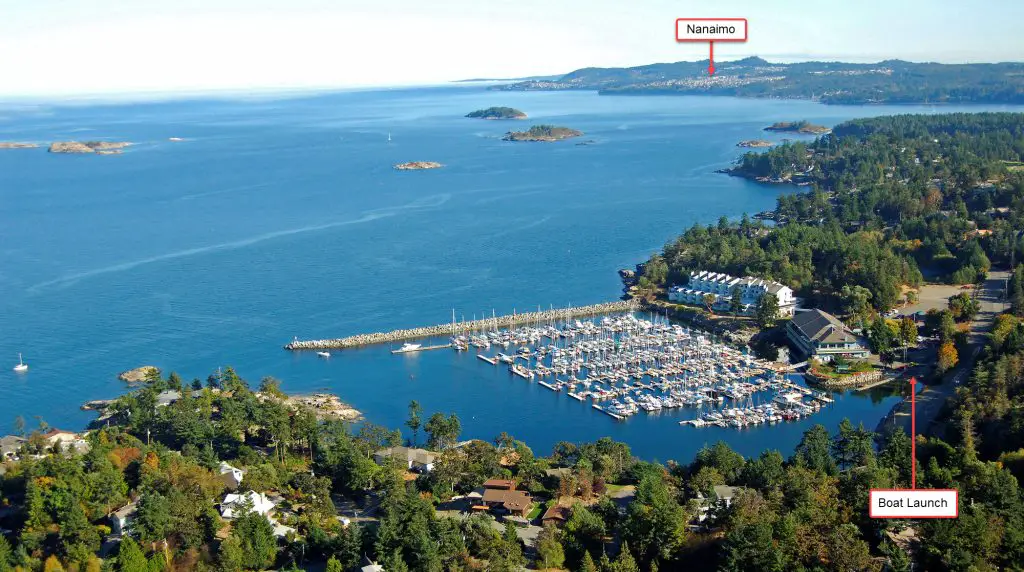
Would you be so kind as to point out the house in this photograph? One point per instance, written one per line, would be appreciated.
(500, 496)
(721, 287)
(368, 565)
(231, 476)
(121, 519)
(10, 445)
(54, 436)
(725, 493)
(722, 499)
(233, 503)
(419, 460)
(822, 336)
(556, 516)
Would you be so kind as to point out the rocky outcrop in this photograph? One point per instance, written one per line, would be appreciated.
(326, 406)
(542, 133)
(755, 143)
(138, 374)
(98, 147)
(15, 145)
(447, 329)
(417, 166)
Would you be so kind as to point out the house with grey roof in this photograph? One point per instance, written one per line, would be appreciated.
(821, 335)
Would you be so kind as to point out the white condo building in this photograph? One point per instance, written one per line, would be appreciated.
(722, 285)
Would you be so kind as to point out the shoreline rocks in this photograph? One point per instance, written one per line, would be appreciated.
(447, 329)
(17, 145)
(326, 406)
(138, 374)
(417, 166)
(755, 143)
(84, 147)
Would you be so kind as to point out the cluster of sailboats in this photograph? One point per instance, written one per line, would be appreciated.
(627, 364)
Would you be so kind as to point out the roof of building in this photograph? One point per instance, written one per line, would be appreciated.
(512, 500)
(557, 512)
(127, 510)
(421, 456)
(504, 484)
(558, 472)
(725, 492)
(822, 327)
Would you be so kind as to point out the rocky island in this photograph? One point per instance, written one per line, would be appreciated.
(417, 166)
(10, 145)
(497, 113)
(802, 127)
(542, 133)
(139, 374)
(97, 147)
(755, 143)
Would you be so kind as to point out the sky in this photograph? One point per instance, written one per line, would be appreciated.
(78, 47)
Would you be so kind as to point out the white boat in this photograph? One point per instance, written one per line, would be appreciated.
(324, 354)
(407, 347)
(22, 366)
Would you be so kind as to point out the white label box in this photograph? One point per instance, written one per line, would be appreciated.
(711, 29)
(914, 503)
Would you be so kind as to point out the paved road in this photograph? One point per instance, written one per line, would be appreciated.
(931, 400)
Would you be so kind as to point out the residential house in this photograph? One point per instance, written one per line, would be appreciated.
(556, 516)
(368, 565)
(721, 287)
(68, 440)
(419, 460)
(724, 495)
(500, 496)
(121, 519)
(233, 503)
(231, 476)
(822, 336)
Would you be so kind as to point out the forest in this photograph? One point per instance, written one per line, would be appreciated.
(804, 512)
(889, 202)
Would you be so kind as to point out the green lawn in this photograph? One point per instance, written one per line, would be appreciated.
(537, 510)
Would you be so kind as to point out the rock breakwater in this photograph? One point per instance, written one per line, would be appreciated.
(448, 329)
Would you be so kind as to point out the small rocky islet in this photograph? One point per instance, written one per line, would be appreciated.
(802, 127)
(85, 147)
(755, 143)
(417, 166)
(497, 113)
(546, 133)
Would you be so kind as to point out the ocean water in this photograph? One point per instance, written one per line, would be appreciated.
(281, 217)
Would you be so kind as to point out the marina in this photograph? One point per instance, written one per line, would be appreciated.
(626, 364)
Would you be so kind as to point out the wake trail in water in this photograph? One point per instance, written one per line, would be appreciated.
(432, 201)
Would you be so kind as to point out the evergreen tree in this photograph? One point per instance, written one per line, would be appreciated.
(52, 564)
(130, 557)
(587, 564)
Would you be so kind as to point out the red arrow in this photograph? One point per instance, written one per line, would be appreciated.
(711, 62)
(913, 436)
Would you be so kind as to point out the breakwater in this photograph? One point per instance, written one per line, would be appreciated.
(455, 328)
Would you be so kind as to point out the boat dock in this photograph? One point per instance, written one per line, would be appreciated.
(455, 328)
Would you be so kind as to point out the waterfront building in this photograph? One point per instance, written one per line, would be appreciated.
(721, 286)
(419, 460)
(822, 336)
(231, 476)
(257, 503)
(500, 495)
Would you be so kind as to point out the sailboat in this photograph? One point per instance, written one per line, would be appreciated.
(389, 137)
(22, 366)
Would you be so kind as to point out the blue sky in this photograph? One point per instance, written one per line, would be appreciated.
(70, 47)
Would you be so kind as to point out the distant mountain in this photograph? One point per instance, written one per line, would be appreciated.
(889, 81)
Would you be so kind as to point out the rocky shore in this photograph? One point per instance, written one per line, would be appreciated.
(326, 406)
(417, 166)
(545, 133)
(16, 145)
(82, 147)
(138, 374)
(755, 143)
(447, 329)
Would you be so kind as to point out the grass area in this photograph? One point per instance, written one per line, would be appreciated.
(612, 489)
(536, 512)
(1014, 166)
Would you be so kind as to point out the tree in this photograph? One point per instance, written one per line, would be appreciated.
(813, 451)
(256, 538)
(5, 555)
(587, 565)
(231, 555)
(767, 313)
(130, 557)
(333, 565)
(443, 431)
(549, 548)
(624, 562)
(947, 357)
(709, 302)
(908, 334)
(414, 423)
(19, 425)
(583, 534)
(153, 517)
(881, 336)
(735, 300)
(655, 523)
(52, 565)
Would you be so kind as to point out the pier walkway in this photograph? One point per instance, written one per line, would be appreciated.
(456, 328)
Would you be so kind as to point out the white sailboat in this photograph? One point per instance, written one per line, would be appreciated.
(389, 137)
(22, 366)
(324, 354)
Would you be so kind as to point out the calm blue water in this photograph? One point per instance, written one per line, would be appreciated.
(283, 217)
